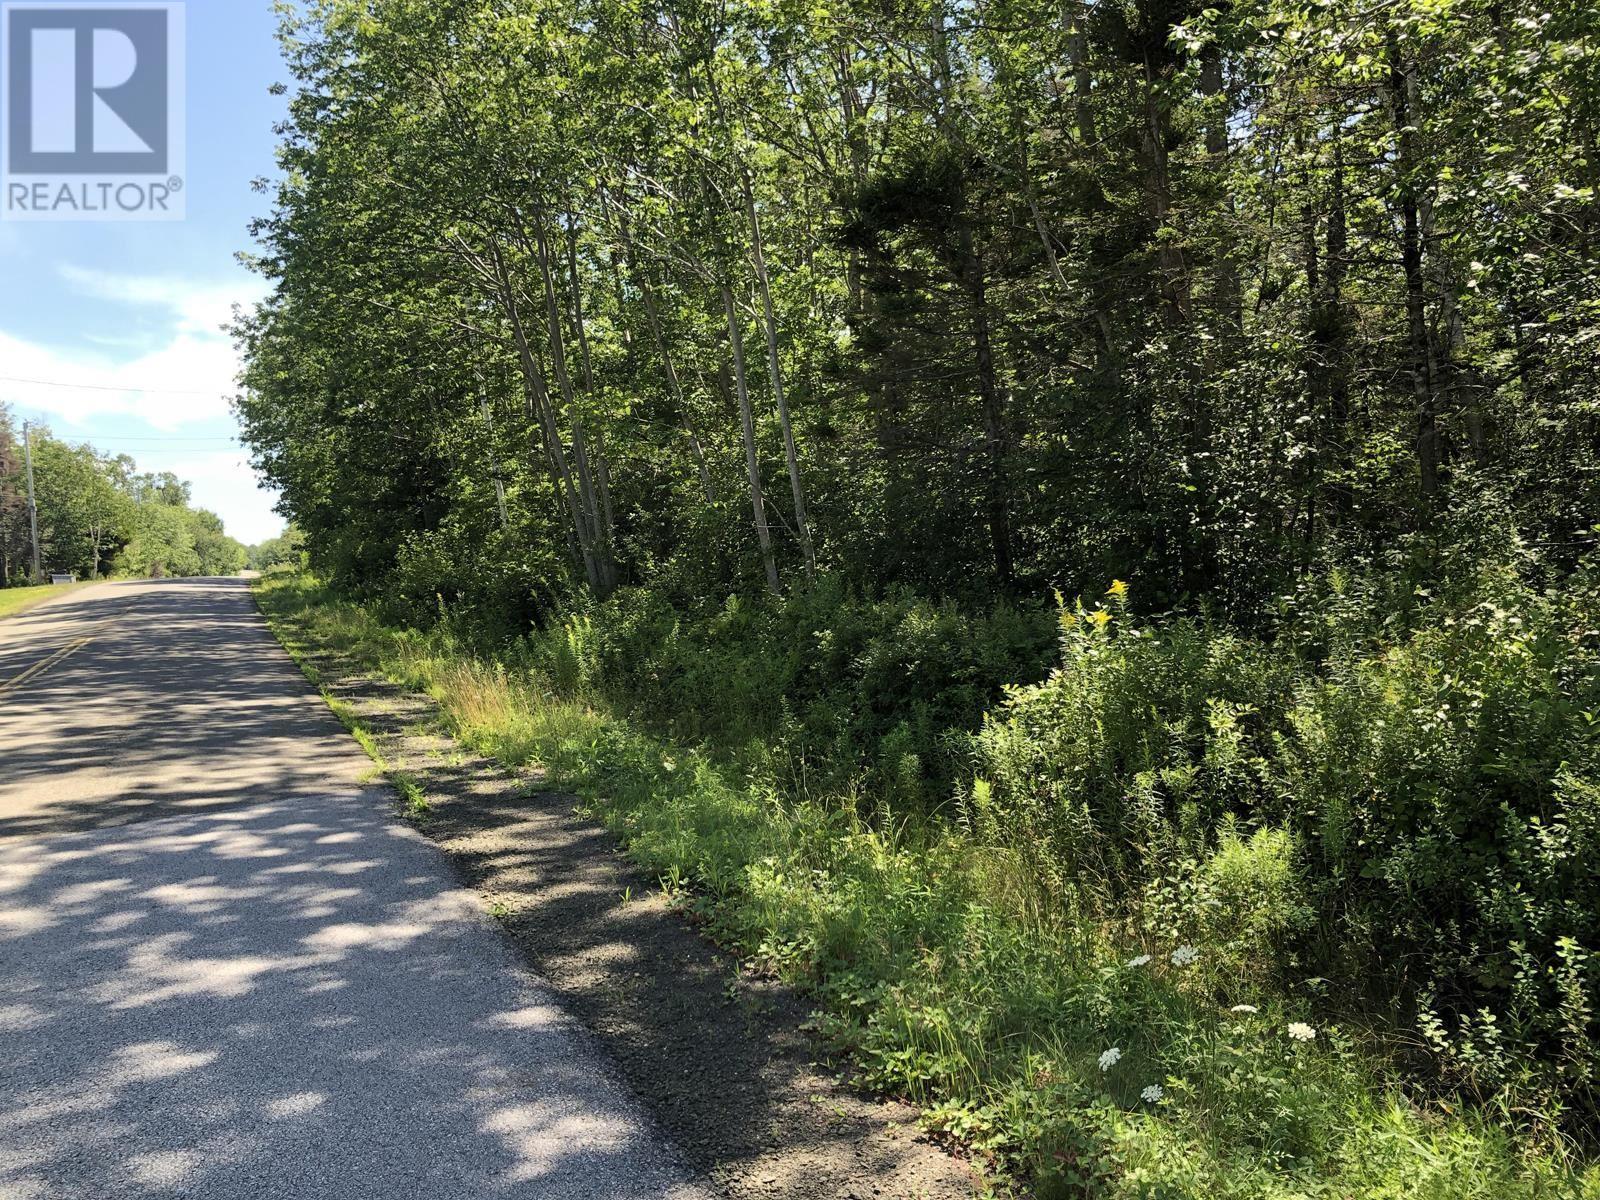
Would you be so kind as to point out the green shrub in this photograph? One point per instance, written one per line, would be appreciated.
(851, 692)
(1133, 751)
(1414, 817)
(1447, 782)
(953, 973)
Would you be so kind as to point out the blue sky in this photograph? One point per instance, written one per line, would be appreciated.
(128, 314)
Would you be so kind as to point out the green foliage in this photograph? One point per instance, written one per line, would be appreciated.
(172, 540)
(941, 974)
(845, 690)
(749, 373)
(163, 544)
(1186, 293)
(285, 550)
(1420, 815)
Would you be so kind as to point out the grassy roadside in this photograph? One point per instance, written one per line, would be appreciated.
(1029, 1037)
(19, 600)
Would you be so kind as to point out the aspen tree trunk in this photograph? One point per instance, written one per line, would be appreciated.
(1333, 296)
(1402, 99)
(652, 314)
(1082, 80)
(1225, 285)
(599, 537)
(996, 439)
(851, 117)
(775, 370)
(1452, 372)
(1329, 326)
(1193, 536)
(533, 381)
(575, 307)
(602, 463)
(675, 384)
(494, 459)
(1089, 137)
(1173, 283)
(803, 528)
(1316, 365)
(1039, 225)
(973, 279)
(752, 460)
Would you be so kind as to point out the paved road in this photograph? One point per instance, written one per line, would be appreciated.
(226, 971)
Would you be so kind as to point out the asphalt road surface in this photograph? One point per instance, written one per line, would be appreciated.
(227, 971)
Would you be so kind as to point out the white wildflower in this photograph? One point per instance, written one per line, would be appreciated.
(1301, 1032)
(1184, 955)
(1140, 961)
(1247, 1009)
(1152, 1094)
(1110, 1058)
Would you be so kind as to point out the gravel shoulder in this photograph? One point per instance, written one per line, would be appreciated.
(724, 1061)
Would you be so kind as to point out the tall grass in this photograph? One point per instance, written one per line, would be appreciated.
(957, 975)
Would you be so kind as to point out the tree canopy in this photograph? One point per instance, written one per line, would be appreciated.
(759, 361)
(978, 298)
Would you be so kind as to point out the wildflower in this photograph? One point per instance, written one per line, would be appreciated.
(1110, 1058)
(1152, 1094)
(1118, 588)
(1141, 961)
(1301, 1032)
(1100, 617)
(1247, 1009)
(1184, 955)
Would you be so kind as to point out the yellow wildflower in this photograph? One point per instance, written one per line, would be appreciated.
(1118, 588)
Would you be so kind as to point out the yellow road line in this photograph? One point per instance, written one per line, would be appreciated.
(39, 668)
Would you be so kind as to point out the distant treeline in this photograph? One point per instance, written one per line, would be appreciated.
(99, 515)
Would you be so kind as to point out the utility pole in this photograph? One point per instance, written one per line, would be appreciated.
(33, 509)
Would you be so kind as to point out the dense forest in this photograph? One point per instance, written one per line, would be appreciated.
(100, 514)
(1150, 450)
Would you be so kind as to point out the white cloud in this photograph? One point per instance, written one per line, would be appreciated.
(179, 377)
(185, 381)
(184, 375)
(201, 310)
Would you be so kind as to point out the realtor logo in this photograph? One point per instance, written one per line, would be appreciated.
(92, 122)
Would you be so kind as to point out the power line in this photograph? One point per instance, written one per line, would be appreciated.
(94, 437)
(99, 387)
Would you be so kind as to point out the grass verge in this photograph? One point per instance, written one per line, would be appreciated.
(1027, 1034)
(20, 599)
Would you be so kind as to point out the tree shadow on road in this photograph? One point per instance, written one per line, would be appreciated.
(226, 970)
